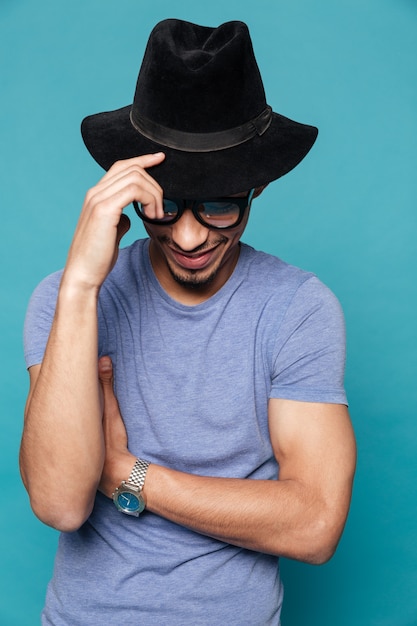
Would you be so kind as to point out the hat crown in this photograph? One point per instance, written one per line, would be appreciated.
(200, 99)
(198, 79)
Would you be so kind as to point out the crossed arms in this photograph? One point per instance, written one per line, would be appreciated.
(74, 441)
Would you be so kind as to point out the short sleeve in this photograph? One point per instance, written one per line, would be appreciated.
(310, 353)
(39, 316)
(38, 320)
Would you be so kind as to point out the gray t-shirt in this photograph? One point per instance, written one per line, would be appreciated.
(193, 384)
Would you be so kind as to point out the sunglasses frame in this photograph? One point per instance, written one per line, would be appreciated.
(188, 203)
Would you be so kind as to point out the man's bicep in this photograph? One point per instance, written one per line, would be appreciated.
(315, 445)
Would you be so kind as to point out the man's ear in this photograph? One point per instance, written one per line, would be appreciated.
(259, 190)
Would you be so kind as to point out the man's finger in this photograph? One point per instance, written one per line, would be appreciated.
(105, 370)
(144, 161)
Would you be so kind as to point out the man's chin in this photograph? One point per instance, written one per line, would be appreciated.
(192, 279)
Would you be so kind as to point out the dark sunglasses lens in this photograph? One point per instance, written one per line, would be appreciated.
(219, 214)
(170, 212)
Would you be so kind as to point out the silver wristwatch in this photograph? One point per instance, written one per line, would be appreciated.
(128, 497)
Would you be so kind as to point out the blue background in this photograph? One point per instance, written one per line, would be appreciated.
(347, 213)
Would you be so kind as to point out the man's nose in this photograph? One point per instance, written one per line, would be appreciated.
(188, 233)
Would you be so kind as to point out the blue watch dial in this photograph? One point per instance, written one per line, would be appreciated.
(128, 501)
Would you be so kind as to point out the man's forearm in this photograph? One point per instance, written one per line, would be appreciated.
(285, 518)
(62, 448)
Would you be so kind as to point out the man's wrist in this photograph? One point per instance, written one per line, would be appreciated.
(71, 287)
(116, 469)
(138, 474)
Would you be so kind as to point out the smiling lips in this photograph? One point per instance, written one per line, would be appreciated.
(193, 261)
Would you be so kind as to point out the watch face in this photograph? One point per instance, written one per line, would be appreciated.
(128, 501)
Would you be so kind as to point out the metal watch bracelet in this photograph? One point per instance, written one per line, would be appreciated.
(138, 473)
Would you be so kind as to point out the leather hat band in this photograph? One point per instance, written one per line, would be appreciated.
(202, 142)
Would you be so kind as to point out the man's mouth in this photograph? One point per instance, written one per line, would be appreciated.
(193, 261)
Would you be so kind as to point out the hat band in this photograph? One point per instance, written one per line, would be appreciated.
(202, 142)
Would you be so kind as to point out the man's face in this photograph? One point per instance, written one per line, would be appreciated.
(192, 261)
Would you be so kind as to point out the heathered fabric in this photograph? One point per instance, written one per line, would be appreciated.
(193, 384)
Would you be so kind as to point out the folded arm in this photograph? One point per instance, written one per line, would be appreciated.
(62, 450)
(299, 516)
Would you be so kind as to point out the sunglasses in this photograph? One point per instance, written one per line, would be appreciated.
(212, 212)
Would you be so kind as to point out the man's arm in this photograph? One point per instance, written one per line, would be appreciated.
(62, 451)
(300, 516)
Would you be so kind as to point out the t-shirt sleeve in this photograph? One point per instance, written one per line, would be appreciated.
(310, 353)
(38, 320)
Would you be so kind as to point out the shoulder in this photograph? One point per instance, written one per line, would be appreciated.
(272, 275)
(292, 296)
(268, 267)
(38, 319)
(46, 291)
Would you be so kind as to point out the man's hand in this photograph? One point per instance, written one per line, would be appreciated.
(101, 225)
(118, 460)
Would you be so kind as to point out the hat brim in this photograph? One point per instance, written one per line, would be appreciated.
(110, 137)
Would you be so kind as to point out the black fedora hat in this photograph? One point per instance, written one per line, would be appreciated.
(200, 99)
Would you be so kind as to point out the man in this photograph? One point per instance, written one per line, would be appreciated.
(228, 363)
